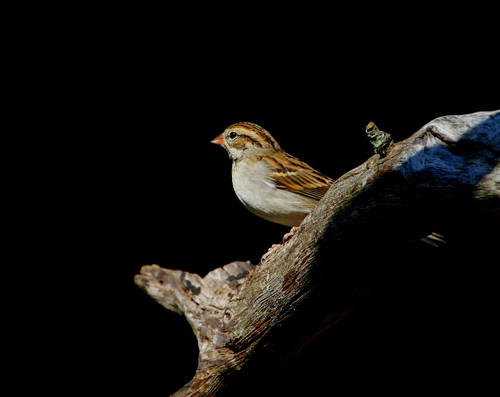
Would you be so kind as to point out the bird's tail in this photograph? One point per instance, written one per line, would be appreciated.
(434, 239)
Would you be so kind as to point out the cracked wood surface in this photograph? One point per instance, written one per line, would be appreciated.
(444, 174)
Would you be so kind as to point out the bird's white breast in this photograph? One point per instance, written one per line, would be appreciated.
(258, 192)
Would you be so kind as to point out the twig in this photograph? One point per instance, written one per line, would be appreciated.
(381, 141)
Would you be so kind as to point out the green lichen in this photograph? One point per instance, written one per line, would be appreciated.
(380, 140)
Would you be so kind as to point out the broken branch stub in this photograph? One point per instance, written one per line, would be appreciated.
(380, 140)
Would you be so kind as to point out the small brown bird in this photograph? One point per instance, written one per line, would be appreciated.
(272, 183)
(268, 181)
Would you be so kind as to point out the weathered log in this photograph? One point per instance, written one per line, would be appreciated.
(446, 173)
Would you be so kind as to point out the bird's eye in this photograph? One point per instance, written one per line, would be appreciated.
(233, 134)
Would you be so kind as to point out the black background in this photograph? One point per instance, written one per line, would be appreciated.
(140, 183)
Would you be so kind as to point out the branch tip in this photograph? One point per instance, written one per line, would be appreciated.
(381, 141)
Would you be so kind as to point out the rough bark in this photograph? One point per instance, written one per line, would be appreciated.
(446, 173)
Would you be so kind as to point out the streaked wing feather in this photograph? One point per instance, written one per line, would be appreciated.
(295, 176)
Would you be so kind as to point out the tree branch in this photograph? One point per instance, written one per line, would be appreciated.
(447, 173)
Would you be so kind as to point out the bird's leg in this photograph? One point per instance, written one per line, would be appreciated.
(290, 234)
(286, 238)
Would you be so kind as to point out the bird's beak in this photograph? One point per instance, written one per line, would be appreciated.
(219, 140)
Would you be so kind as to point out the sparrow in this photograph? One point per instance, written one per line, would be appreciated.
(268, 181)
(274, 184)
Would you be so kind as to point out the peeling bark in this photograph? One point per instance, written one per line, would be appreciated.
(446, 173)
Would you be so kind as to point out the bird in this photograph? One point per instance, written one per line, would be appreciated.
(268, 181)
(272, 183)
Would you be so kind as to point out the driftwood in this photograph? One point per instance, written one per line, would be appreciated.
(447, 173)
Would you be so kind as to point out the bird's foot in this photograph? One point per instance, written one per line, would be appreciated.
(286, 238)
(290, 234)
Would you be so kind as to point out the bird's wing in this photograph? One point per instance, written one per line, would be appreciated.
(291, 174)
